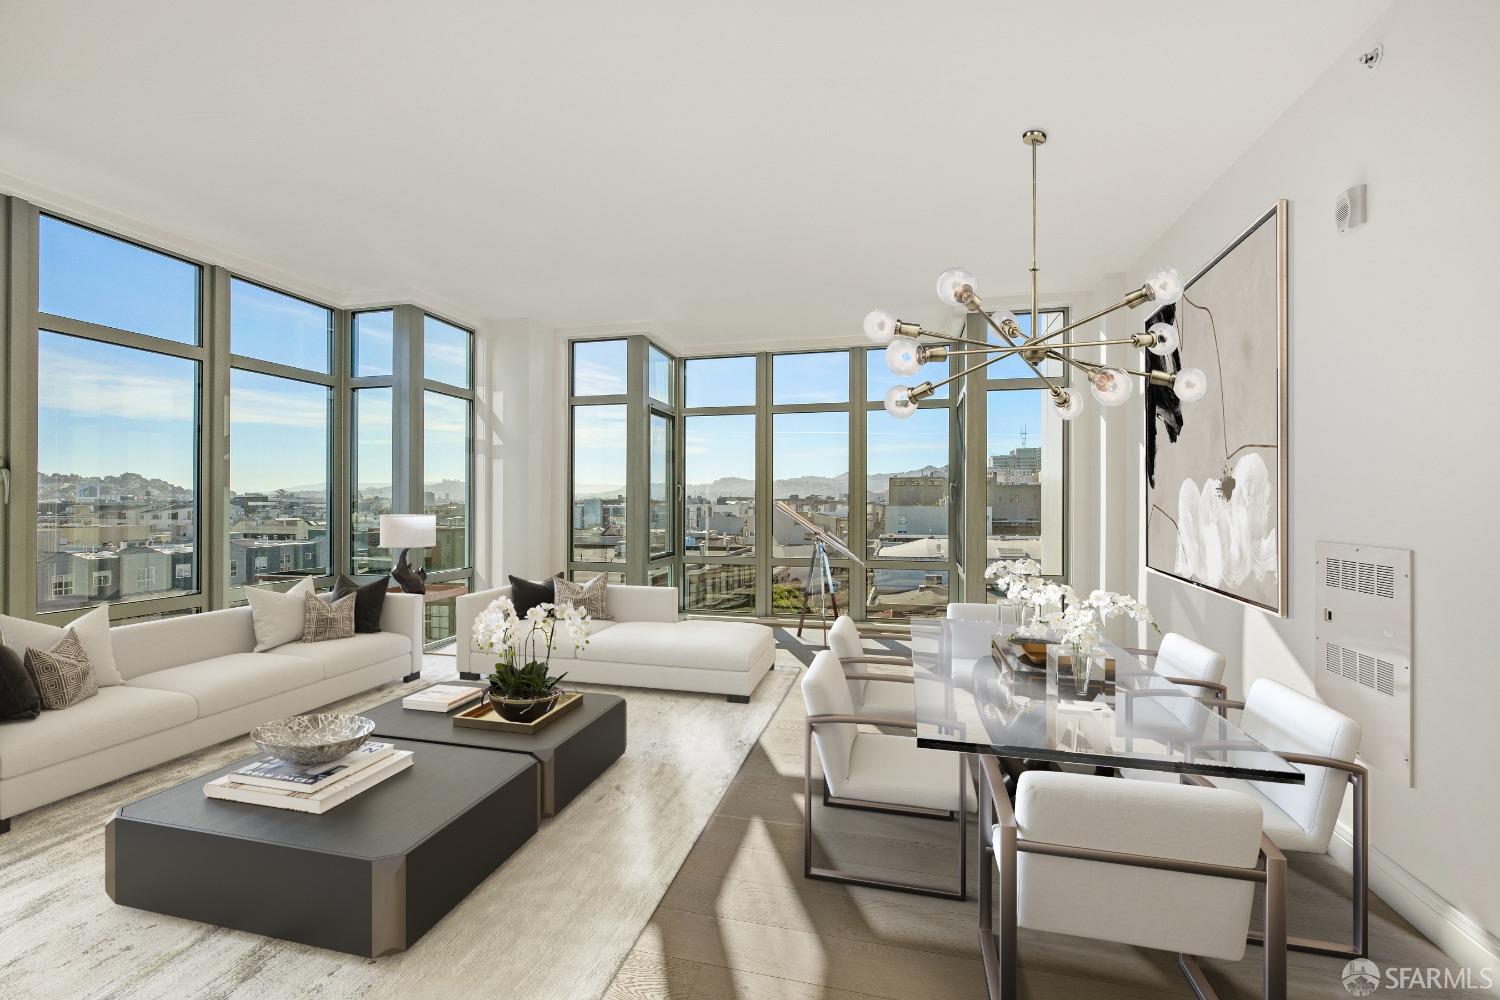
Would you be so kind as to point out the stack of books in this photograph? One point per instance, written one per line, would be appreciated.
(442, 697)
(268, 781)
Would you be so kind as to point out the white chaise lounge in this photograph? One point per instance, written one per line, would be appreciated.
(191, 682)
(646, 644)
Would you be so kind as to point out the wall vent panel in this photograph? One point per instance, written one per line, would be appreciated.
(1364, 645)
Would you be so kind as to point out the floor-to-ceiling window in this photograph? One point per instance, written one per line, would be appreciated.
(719, 511)
(191, 431)
(280, 436)
(776, 449)
(118, 362)
(1024, 453)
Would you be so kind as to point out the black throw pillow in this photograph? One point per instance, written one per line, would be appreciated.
(19, 698)
(369, 601)
(527, 594)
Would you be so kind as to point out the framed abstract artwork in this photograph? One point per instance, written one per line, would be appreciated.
(1216, 470)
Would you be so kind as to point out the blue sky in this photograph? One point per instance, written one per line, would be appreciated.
(105, 409)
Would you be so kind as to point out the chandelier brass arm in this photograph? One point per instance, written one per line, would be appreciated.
(1111, 385)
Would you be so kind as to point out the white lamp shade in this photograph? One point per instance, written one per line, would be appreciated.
(408, 531)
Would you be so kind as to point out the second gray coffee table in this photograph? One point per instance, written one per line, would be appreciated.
(572, 751)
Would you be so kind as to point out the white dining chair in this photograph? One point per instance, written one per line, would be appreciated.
(875, 693)
(1188, 663)
(1322, 743)
(959, 611)
(1172, 867)
(876, 771)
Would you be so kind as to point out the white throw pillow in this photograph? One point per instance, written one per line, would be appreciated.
(278, 617)
(92, 630)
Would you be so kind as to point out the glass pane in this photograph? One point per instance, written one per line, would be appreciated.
(719, 588)
(720, 469)
(439, 619)
(445, 352)
(658, 376)
(878, 377)
(598, 484)
(99, 279)
(585, 575)
(1013, 487)
(660, 509)
(786, 591)
(275, 327)
(117, 461)
(374, 340)
(906, 593)
(659, 575)
(810, 378)
(1014, 367)
(372, 477)
(278, 478)
(810, 469)
(599, 368)
(445, 480)
(720, 381)
(908, 485)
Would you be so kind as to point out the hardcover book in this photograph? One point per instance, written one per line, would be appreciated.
(276, 773)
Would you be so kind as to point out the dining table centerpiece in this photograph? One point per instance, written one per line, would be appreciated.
(1077, 628)
(522, 687)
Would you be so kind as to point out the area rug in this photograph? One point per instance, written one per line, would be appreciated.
(553, 923)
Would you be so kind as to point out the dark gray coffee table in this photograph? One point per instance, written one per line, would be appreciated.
(368, 877)
(572, 751)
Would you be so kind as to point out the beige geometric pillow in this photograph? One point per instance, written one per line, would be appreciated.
(322, 622)
(591, 597)
(64, 676)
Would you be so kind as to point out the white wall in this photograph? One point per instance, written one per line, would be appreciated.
(1392, 422)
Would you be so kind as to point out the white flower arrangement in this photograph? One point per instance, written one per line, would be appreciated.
(1012, 579)
(500, 630)
(1081, 623)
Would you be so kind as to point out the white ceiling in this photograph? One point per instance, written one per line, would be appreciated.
(762, 172)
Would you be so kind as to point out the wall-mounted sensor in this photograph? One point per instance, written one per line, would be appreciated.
(1349, 209)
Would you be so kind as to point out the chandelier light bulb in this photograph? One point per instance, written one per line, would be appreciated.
(954, 287)
(898, 402)
(1191, 385)
(903, 356)
(1071, 405)
(1166, 338)
(880, 327)
(1165, 285)
(1110, 386)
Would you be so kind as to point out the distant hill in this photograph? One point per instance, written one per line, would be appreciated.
(127, 483)
(805, 486)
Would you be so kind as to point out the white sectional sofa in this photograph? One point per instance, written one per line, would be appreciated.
(646, 644)
(191, 682)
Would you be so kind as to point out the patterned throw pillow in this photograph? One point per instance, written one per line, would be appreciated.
(592, 597)
(64, 676)
(322, 622)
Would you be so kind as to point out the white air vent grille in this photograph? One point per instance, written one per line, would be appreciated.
(1364, 645)
(1362, 668)
(1359, 577)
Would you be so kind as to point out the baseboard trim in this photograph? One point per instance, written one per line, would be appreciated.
(1459, 935)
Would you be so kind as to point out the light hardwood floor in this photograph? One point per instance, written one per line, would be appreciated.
(741, 923)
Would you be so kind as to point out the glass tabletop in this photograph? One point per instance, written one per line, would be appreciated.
(976, 692)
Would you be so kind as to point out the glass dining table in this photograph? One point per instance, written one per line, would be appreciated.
(979, 693)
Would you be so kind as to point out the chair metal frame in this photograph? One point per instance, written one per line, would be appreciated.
(998, 938)
(1359, 775)
(809, 870)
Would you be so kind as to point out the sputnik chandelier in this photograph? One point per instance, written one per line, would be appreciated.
(905, 353)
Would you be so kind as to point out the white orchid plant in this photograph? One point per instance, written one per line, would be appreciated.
(1013, 579)
(1079, 624)
(500, 630)
(1020, 581)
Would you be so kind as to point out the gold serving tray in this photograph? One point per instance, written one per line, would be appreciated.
(483, 716)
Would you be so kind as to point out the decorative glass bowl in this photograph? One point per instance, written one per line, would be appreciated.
(313, 739)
